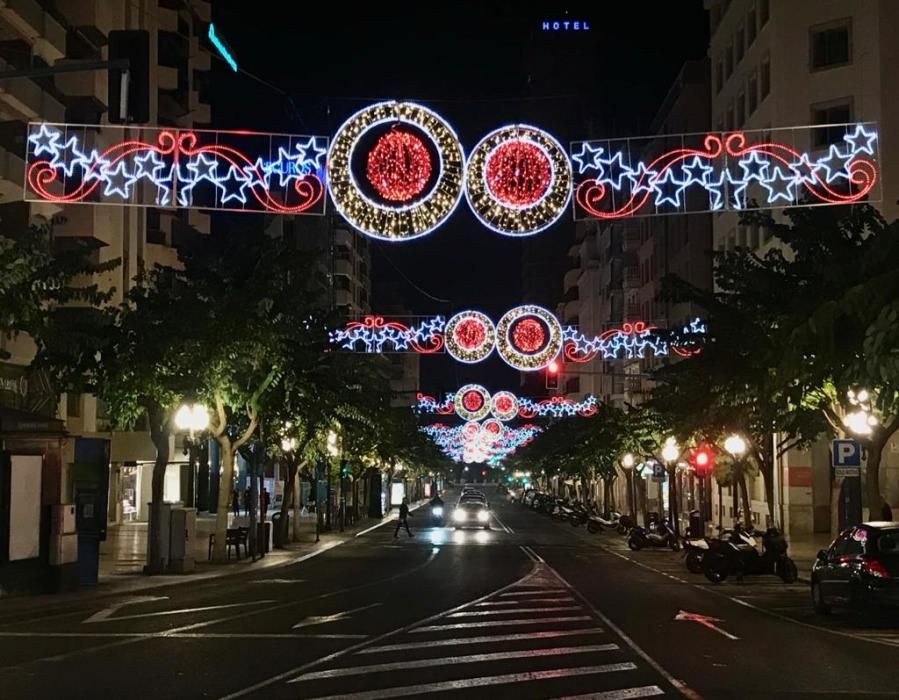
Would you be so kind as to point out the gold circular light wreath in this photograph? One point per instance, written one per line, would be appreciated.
(387, 221)
(504, 415)
(469, 355)
(511, 220)
(521, 360)
(463, 412)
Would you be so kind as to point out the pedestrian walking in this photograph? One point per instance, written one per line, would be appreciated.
(403, 520)
(235, 502)
(247, 500)
(266, 499)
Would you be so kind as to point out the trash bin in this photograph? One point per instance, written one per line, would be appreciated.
(263, 537)
(276, 529)
(696, 527)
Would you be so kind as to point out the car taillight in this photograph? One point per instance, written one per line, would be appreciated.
(875, 568)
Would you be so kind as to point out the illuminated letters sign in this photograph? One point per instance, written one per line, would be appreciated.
(577, 25)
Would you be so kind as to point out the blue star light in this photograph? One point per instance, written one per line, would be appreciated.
(615, 166)
(642, 173)
(663, 184)
(236, 192)
(588, 159)
(118, 181)
(855, 140)
(697, 171)
(152, 173)
(45, 140)
(317, 153)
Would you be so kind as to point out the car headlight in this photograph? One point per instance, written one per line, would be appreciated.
(437, 511)
(458, 515)
(483, 516)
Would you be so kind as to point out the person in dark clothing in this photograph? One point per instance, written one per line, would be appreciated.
(266, 499)
(403, 520)
(436, 501)
(246, 501)
(235, 503)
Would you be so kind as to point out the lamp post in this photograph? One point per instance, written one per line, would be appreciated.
(191, 419)
(670, 453)
(333, 448)
(735, 446)
(627, 464)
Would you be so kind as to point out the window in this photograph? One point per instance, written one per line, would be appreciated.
(719, 75)
(750, 26)
(766, 77)
(741, 108)
(830, 46)
(764, 12)
(740, 41)
(835, 115)
(753, 90)
(730, 118)
(728, 61)
(73, 405)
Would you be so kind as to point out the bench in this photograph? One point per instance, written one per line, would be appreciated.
(234, 537)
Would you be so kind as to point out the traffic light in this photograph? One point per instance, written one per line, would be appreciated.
(134, 45)
(344, 469)
(701, 459)
(552, 375)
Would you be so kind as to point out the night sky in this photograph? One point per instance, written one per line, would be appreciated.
(481, 65)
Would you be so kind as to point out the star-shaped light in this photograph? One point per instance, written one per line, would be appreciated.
(155, 163)
(235, 191)
(804, 170)
(68, 157)
(289, 167)
(641, 178)
(780, 186)
(118, 181)
(754, 167)
(93, 166)
(834, 163)
(697, 171)
(661, 185)
(615, 166)
(317, 153)
(588, 159)
(45, 140)
(861, 141)
(203, 168)
(258, 174)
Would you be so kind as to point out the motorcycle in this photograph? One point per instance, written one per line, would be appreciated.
(736, 554)
(622, 524)
(580, 514)
(694, 553)
(661, 536)
(437, 517)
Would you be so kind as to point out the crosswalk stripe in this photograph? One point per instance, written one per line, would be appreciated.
(534, 591)
(453, 660)
(503, 623)
(645, 691)
(515, 611)
(488, 639)
(527, 601)
(464, 683)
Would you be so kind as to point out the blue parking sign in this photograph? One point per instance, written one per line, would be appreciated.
(846, 457)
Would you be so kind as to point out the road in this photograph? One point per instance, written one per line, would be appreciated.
(529, 609)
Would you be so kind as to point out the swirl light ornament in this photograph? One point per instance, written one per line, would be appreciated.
(403, 210)
(519, 180)
(470, 336)
(528, 337)
(472, 402)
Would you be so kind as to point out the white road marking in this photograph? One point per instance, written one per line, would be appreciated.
(527, 601)
(104, 615)
(452, 660)
(261, 635)
(503, 623)
(279, 580)
(336, 617)
(115, 607)
(502, 524)
(535, 591)
(515, 611)
(645, 691)
(705, 621)
(464, 683)
(488, 639)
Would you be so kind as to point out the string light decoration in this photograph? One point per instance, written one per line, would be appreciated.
(489, 442)
(375, 334)
(470, 336)
(222, 170)
(399, 166)
(472, 402)
(528, 337)
(428, 404)
(504, 405)
(634, 340)
(734, 174)
(405, 214)
(518, 180)
(557, 407)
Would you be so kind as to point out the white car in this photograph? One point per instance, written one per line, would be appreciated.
(471, 513)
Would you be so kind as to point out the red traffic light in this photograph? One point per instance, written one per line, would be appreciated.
(702, 458)
(553, 367)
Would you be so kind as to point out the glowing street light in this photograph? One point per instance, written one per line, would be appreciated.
(192, 418)
(332, 444)
(671, 451)
(627, 461)
(860, 421)
(288, 444)
(735, 445)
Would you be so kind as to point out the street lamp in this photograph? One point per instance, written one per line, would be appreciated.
(627, 463)
(735, 445)
(192, 419)
(860, 421)
(670, 453)
(288, 444)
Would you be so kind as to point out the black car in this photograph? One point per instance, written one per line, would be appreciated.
(861, 568)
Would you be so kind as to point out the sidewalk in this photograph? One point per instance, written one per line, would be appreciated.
(804, 549)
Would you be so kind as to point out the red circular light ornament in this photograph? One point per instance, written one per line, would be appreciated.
(470, 336)
(504, 405)
(470, 333)
(472, 401)
(518, 173)
(399, 166)
(528, 335)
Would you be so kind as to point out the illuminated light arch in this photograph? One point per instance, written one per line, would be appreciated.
(519, 180)
(470, 336)
(401, 220)
(531, 350)
(472, 402)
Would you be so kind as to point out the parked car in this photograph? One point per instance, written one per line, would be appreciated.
(860, 569)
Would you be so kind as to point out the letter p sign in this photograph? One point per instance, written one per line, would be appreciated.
(847, 453)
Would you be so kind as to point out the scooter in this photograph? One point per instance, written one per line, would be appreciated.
(580, 515)
(437, 517)
(662, 536)
(622, 524)
(694, 553)
(736, 554)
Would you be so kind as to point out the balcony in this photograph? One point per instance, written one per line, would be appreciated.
(168, 19)
(28, 100)
(157, 254)
(27, 18)
(632, 277)
(344, 297)
(94, 19)
(344, 267)
(344, 237)
(631, 240)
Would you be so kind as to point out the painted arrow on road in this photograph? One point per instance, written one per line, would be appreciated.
(323, 619)
(705, 621)
(105, 615)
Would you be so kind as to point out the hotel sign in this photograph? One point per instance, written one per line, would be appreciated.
(567, 25)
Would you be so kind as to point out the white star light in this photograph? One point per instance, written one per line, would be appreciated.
(45, 139)
(661, 196)
(615, 166)
(237, 192)
(317, 152)
(641, 178)
(697, 171)
(287, 166)
(780, 186)
(854, 140)
(111, 176)
(68, 164)
(754, 167)
(588, 159)
(834, 163)
(203, 169)
(152, 173)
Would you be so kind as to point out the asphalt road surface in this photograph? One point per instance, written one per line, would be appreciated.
(530, 608)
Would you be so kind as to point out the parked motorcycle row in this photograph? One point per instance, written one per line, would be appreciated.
(736, 552)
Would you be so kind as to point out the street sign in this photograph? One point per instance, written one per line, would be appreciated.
(658, 472)
(846, 458)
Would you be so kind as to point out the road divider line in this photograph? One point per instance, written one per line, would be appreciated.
(502, 524)
(452, 660)
(487, 639)
(503, 623)
(468, 683)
